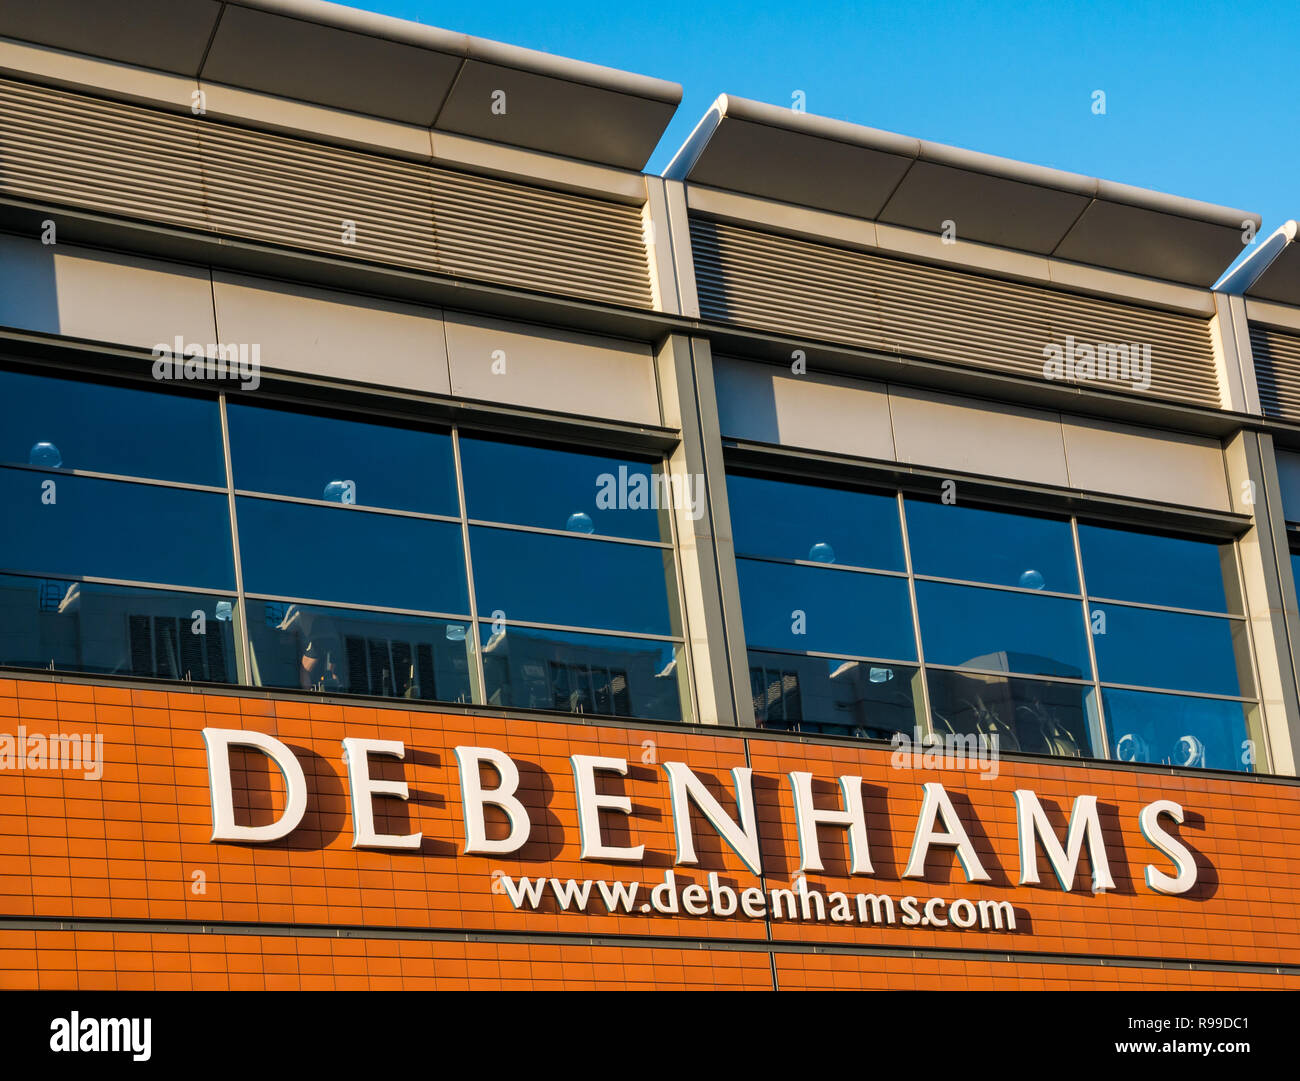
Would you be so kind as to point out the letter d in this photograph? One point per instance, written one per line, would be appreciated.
(224, 827)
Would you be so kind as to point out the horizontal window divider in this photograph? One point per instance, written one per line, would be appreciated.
(667, 545)
(1167, 608)
(998, 588)
(1245, 699)
(132, 583)
(244, 493)
(343, 605)
(488, 621)
(815, 565)
(91, 474)
(1077, 681)
(832, 656)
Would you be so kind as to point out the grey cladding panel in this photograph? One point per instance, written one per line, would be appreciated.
(1277, 370)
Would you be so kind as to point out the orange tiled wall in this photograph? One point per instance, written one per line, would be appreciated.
(132, 846)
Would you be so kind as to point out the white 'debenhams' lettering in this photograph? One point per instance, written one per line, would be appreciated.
(938, 824)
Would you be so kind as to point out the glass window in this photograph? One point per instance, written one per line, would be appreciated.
(355, 652)
(809, 522)
(351, 556)
(977, 545)
(577, 582)
(1123, 565)
(86, 527)
(528, 668)
(1029, 715)
(1150, 648)
(285, 452)
(103, 428)
(116, 630)
(574, 491)
(1177, 731)
(974, 627)
(867, 699)
(808, 609)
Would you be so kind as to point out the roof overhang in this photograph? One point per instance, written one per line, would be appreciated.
(343, 58)
(1272, 271)
(792, 157)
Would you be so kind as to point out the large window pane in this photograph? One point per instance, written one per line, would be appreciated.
(80, 526)
(102, 428)
(977, 545)
(338, 649)
(527, 668)
(1029, 715)
(351, 556)
(808, 609)
(1150, 648)
(286, 452)
(870, 700)
(1124, 565)
(1177, 731)
(540, 578)
(1006, 632)
(575, 491)
(810, 522)
(116, 630)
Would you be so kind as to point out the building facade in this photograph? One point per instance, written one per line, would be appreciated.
(438, 553)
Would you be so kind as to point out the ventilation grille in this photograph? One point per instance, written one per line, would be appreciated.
(799, 287)
(75, 150)
(1277, 371)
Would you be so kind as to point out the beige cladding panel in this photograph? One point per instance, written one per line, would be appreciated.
(1166, 467)
(769, 404)
(333, 335)
(969, 436)
(540, 368)
(102, 296)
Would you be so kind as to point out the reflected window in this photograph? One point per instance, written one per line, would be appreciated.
(103, 428)
(972, 627)
(86, 527)
(577, 492)
(298, 551)
(286, 452)
(817, 524)
(68, 626)
(865, 699)
(318, 648)
(528, 668)
(1032, 716)
(977, 545)
(1176, 730)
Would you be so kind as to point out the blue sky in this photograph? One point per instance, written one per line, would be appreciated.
(1202, 100)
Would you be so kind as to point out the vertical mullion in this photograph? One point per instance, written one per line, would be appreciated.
(927, 721)
(1106, 751)
(244, 661)
(684, 627)
(478, 687)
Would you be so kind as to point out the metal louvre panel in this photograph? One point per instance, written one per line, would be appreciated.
(76, 150)
(797, 286)
(503, 231)
(142, 163)
(284, 190)
(1277, 371)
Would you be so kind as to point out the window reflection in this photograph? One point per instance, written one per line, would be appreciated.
(1000, 548)
(1174, 730)
(1033, 716)
(866, 699)
(528, 668)
(1150, 648)
(1127, 565)
(116, 630)
(316, 648)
